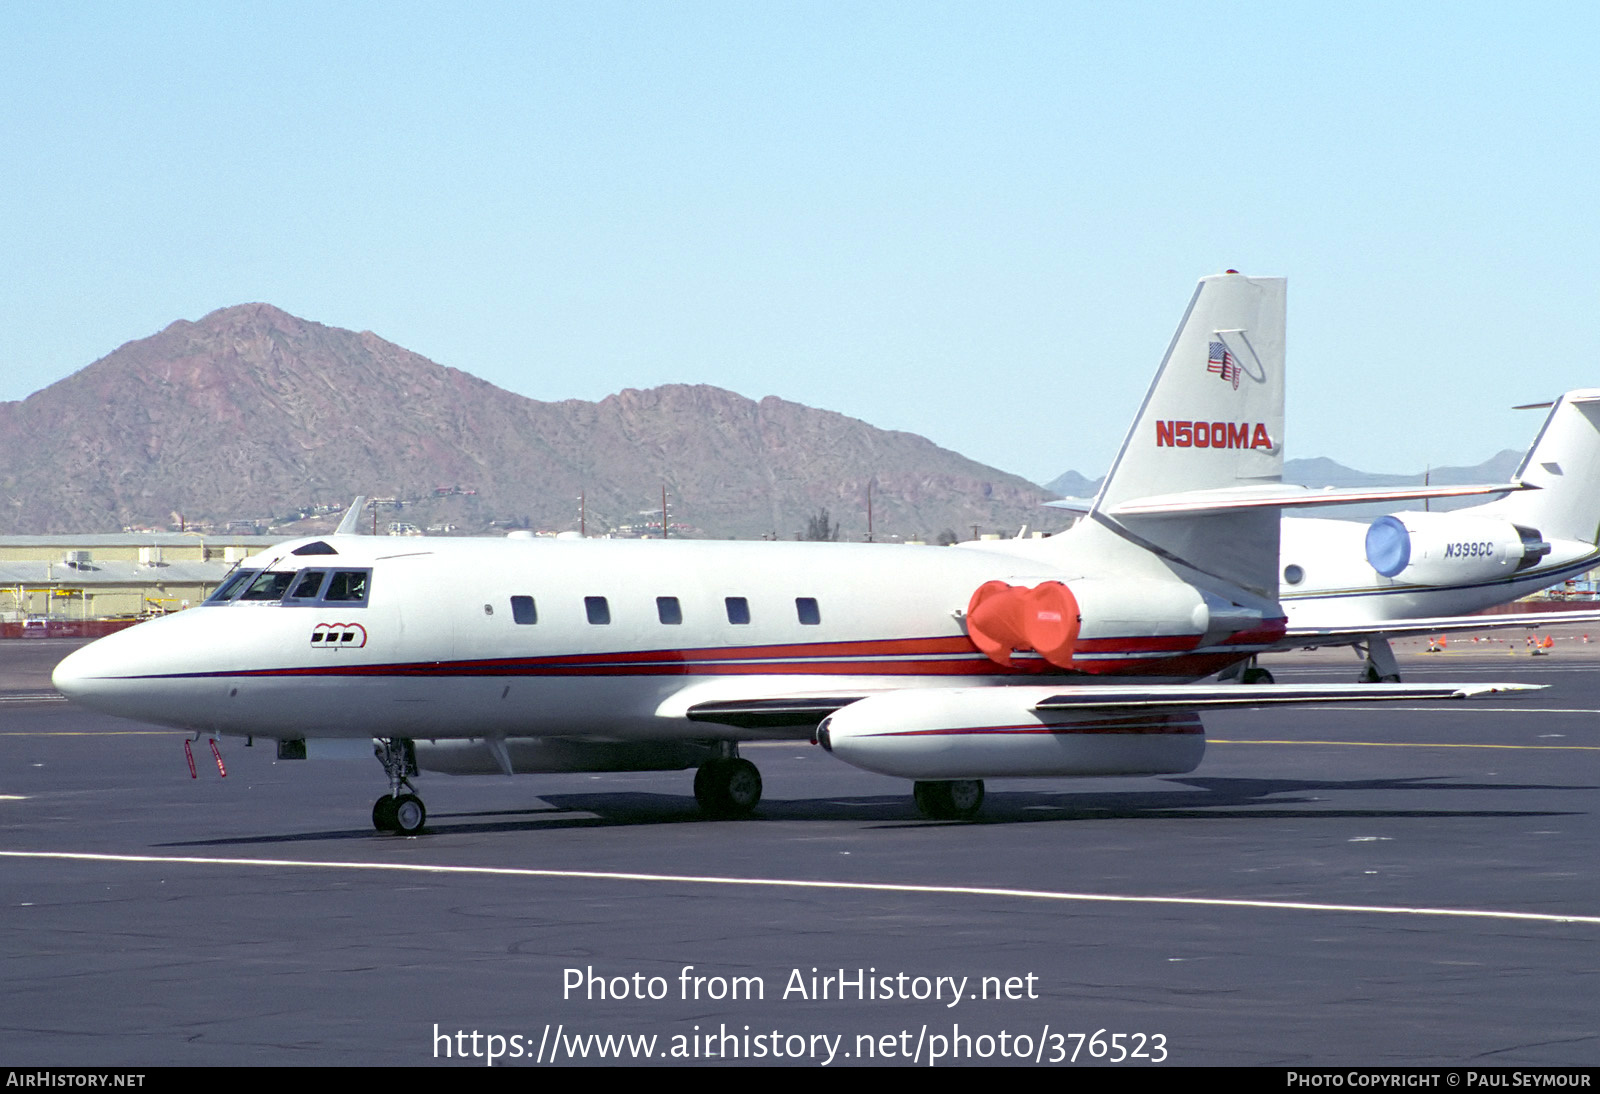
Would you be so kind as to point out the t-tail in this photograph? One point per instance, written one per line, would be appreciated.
(1209, 437)
(1564, 464)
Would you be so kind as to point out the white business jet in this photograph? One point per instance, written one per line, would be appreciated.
(1062, 656)
(1347, 582)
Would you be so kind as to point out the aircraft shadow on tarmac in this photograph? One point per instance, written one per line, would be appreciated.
(1187, 799)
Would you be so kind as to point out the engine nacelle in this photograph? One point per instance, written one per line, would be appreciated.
(1070, 627)
(1450, 548)
(980, 733)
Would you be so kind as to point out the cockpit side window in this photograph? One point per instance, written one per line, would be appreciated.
(309, 585)
(347, 587)
(270, 585)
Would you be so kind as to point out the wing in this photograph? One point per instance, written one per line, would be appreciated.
(765, 707)
(933, 734)
(1310, 637)
(807, 710)
(1176, 697)
(787, 712)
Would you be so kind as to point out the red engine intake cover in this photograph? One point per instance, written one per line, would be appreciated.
(1002, 619)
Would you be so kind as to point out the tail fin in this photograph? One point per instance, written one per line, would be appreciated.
(1212, 420)
(1564, 462)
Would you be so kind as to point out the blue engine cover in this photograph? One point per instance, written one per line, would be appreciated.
(1388, 546)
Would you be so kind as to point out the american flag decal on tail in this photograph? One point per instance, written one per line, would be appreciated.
(1221, 362)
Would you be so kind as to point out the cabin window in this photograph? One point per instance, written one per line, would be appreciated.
(599, 611)
(669, 611)
(738, 609)
(523, 609)
(347, 587)
(309, 585)
(806, 608)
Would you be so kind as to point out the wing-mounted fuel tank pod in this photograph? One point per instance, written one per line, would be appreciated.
(1450, 548)
(977, 733)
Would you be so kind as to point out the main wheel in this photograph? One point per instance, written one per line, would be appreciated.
(741, 788)
(705, 780)
(958, 799)
(383, 814)
(409, 814)
(727, 787)
(1255, 676)
(966, 797)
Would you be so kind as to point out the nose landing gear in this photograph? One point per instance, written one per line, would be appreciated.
(396, 812)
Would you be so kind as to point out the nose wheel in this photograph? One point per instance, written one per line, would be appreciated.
(398, 812)
(405, 815)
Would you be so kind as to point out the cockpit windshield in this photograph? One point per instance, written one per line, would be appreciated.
(270, 585)
(231, 585)
(301, 588)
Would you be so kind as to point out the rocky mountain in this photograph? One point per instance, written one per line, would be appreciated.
(251, 414)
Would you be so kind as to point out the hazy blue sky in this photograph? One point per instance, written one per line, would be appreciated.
(978, 222)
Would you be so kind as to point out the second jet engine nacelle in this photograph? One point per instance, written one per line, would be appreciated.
(978, 733)
(1450, 548)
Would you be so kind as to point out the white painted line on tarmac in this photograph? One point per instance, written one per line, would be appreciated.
(793, 883)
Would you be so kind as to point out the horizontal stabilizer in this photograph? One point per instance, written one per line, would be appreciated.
(1275, 496)
(1072, 505)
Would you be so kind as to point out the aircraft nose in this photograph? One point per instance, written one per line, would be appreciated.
(106, 674)
(145, 672)
(79, 671)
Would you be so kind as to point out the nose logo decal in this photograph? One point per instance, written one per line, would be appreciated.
(347, 636)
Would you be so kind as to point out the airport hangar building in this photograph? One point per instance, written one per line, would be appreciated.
(55, 584)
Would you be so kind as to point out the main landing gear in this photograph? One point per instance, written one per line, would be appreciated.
(958, 799)
(1245, 672)
(397, 812)
(726, 786)
(1378, 663)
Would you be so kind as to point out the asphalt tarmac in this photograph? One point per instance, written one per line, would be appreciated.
(1333, 886)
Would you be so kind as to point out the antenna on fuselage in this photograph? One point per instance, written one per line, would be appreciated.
(347, 526)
